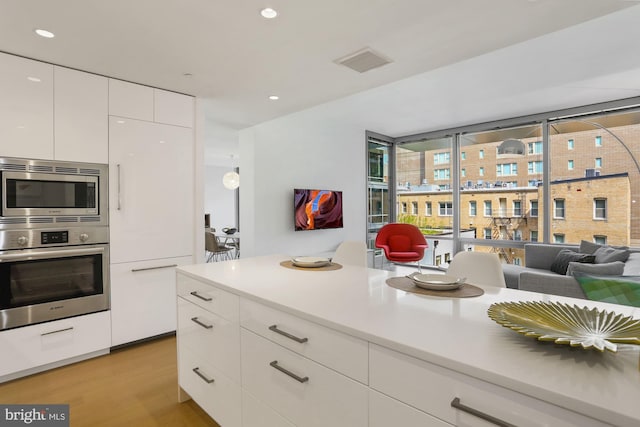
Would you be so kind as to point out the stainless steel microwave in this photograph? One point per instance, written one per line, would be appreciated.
(41, 193)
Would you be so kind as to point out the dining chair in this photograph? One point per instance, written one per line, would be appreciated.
(351, 253)
(214, 250)
(402, 243)
(479, 268)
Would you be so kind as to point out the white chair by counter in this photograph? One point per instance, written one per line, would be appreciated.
(351, 253)
(480, 268)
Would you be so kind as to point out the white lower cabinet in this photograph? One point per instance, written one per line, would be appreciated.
(257, 414)
(215, 392)
(30, 347)
(301, 390)
(143, 299)
(432, 389)
(210, 337)
(336, 350)
(385, 412)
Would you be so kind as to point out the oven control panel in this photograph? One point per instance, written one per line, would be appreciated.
(25, 239)
(54, 237)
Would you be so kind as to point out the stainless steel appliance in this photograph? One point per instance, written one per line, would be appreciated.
(37, 193)
(54, 241)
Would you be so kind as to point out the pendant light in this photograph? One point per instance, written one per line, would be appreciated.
(231, 180)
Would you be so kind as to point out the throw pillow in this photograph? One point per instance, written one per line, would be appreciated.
(615, 268)
(565, 256)
(587, 247)
(614, 289)
(632, 265)
(610, 254)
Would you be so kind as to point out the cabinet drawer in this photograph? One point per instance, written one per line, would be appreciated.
(37, 345)
(210, 298)
(385, 411)
(318, 397)
(257, 414)
(217, 394)
(344, 353)
(432, 388)
(209, 337)
(143, 299)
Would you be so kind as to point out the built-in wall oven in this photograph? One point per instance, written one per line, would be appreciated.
(54, 241)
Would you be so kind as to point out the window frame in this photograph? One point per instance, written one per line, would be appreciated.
(596, 209)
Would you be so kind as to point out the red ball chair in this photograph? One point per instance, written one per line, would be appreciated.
(401, 242)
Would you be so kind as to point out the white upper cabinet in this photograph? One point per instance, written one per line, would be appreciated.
(151, 190)
(81, 116)
(173, 108)
(130, 100)
(153, 105)
(26, 108)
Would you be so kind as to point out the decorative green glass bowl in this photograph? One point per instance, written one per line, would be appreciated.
(567, 324)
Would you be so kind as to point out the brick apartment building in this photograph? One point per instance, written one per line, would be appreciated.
(595, 184)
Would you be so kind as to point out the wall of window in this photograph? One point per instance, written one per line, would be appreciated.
(551, 180)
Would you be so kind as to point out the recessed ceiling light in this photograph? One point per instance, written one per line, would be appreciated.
(268, 13)
(120, 122)
(34, 79)
(45, 33)
(274, 97)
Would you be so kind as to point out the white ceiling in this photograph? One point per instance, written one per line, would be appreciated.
(237, 59)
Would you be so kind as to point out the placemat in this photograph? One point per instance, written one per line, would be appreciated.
(406, 284)
(331, 266)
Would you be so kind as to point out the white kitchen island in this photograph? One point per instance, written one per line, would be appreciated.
(263, 345)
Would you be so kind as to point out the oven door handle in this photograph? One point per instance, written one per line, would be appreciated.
(61, 253)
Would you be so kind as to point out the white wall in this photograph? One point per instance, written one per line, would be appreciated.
(299, 151)
(325, 146)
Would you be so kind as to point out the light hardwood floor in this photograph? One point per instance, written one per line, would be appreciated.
(134, 386)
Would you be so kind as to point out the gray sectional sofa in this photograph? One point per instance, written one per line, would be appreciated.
(539, 259)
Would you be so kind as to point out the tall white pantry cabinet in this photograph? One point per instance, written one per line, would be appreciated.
(151, 146)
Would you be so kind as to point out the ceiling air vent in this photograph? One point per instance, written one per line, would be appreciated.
(363, 60)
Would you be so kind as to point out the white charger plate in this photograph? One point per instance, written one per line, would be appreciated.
(310, 261)
(436, 281)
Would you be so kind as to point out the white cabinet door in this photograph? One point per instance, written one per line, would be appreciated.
(210, 337)
(210, 388)
(81, 116)
(143, 299)
(26, 108)
(257, 414)
(385, 411)
(37, 345)
(301, 390)
(173, 108)
(130, 100)
(434, 390)
(151, 190)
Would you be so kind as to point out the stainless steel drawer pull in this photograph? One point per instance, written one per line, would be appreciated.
(464, 408)
(55, 332)
(275, 329)
(197, 295)
(204, 325)
(154, 268)
(203, 376)
(287, 372)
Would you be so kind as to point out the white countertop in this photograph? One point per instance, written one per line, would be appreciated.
(453, 333)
